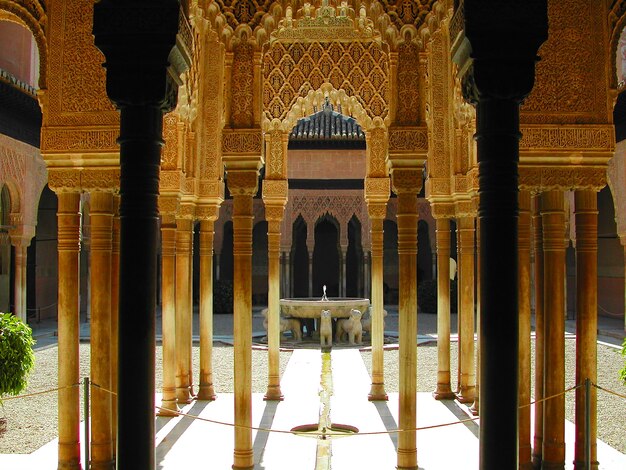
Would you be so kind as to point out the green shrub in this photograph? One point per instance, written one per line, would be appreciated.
(622, 373)
(16, 354)
(223, 296)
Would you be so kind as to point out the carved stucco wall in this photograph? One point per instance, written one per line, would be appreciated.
(571, 78)
(24, 173)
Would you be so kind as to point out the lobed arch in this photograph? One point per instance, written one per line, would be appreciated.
(11, 189)
(33, 18)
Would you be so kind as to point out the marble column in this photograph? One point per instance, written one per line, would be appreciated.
(377, 212)
(19, 283)
(539, 331)
(367, 276)
(467, 366)
(142, 90)
(586, 213)
(68, 215)
(101, 247)
(115, 297)
(205, 390)
(523, 247)
(497, 81)
(443, 390)
(217, 265)
(553, 221)
(274, 213)
(475, 408)
(184, 248)
(242, 184)
(168, 405)
(406, 184)
(344, 256)
(310, 272)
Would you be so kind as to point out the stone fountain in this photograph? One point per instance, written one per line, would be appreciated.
(311, 308)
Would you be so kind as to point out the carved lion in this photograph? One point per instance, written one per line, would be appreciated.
(350, 327)
(326, 329)
(286, 324)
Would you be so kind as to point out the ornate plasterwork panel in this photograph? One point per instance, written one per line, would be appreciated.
(169, 154)
(24, 172)
(408, 85)
(292, 70)
(76, 93)
(407, 12)
(238, 142)
(242, 86)
(568, 138)
(562, 178)
(571, 78)
(88, 139)
(314, 204)
(239, 12)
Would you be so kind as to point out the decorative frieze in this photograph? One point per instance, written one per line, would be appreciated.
(236, 142)
(377, 189)
(413, 140)
(567, 138)
(562, 178)
(79, 139)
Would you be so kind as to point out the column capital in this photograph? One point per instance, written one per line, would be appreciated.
(406, 180)
(209, 212)
(140, 41)
(275, 191)
(377, 189)
(243, 182)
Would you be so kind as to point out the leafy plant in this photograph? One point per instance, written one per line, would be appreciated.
(622, 373)
(16, 354)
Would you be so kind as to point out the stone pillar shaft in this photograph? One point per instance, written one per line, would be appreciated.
(68, 215)
(407, 276)
(525, 450)
(19, 282)
(115, 299)
(168, 315)
(497, 139)
(184, 241)
(274, 216)
(539, 332)
(553, 218)
(242, 267)
(467, 367)
(586, 213)
(377, 391)
(443, 390)
(206, 391)
(101, 246)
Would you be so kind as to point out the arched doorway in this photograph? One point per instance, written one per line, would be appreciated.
(326, 258)
(300, 259)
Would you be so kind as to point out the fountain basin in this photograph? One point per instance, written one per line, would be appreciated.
(312, 308)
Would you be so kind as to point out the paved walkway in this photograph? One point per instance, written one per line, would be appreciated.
(193, 444)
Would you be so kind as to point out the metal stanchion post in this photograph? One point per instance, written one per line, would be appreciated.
(86, 409)
(587, 424)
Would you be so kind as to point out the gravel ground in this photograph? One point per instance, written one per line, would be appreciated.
(32, 422)
(611, 409)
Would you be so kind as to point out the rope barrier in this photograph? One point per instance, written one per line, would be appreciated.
(609, 391)
(93, 384)
(313, 434)
(28, 395)
(574, 387)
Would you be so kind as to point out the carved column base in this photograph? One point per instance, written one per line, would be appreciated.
(466, 395)
(552, 465)
(444, 392)
(168, 407)
(206, 392)
(377, 393)
(273, 393)
(582, 466)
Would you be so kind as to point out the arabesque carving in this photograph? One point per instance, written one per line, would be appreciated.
(376, 152)
(79, 140)
(571, 138)
(408, 85)
(242, 142)
(77, 97)
(571, 77)
(292, 70)
(562, 178)
(242, 87)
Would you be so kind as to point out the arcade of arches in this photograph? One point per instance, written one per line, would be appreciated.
(309, 144)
